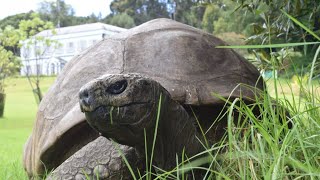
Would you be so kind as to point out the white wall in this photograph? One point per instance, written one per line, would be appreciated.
(70, 45)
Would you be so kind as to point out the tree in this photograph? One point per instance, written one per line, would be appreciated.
(121, 20)
(58, 12)
(63, 15)
(211, 14)
(140, 10)
(9, 63)
(41, 44)
(15, 19)
(276, 27)
(222, 16)
(92, 18)
(189, 12)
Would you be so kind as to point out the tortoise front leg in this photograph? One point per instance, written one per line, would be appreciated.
(99, 159)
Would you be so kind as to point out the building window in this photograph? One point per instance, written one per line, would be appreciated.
(38, 51)
(53, 69)
(48, 51)
(60, 49)
(70, 47)
(92, 42)
(83, 45)
(28, 69)
(26, 52)
(38, 69)
(62, 64)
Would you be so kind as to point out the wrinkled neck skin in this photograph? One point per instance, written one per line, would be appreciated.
(176, 132)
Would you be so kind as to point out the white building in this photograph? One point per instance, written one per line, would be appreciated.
(70, 41)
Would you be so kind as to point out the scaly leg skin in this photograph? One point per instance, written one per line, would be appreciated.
(99, 159)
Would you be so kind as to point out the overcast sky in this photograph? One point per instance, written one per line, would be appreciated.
(81, 7)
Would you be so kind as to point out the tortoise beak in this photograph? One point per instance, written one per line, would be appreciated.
(86, 100)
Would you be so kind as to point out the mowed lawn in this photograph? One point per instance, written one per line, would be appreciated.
(16, 125)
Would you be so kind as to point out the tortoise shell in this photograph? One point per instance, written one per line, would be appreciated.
(181, 58)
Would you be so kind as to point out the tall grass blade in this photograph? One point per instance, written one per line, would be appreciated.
(155, 132)
(313, 66)
(116, 145)
(269, 45)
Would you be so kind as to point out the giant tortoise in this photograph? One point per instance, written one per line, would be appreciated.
(160, 73)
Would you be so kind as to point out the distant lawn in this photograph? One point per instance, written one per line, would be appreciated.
(16, 125)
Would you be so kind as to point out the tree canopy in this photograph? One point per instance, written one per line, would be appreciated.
(63, 14)
(276, 26)
(121, 20)
(260, 21)
(14, 20)
(140, 10)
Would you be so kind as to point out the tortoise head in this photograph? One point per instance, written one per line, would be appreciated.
(121, 106)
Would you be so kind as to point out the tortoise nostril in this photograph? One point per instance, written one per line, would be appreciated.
(85, 94)
(84, 97)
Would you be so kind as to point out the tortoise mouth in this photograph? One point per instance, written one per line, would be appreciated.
(108, 115)
(57, 150)
(124, 123)
(110, 108)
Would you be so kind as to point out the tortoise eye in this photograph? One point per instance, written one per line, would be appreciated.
(117, 87)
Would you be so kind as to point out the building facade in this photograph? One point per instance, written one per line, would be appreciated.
(39, 58)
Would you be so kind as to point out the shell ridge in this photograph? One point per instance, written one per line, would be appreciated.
(171, 29)
(124, 62)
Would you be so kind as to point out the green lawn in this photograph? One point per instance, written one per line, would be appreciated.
(16, 125)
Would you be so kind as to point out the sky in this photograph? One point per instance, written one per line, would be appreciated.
(81, 7)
